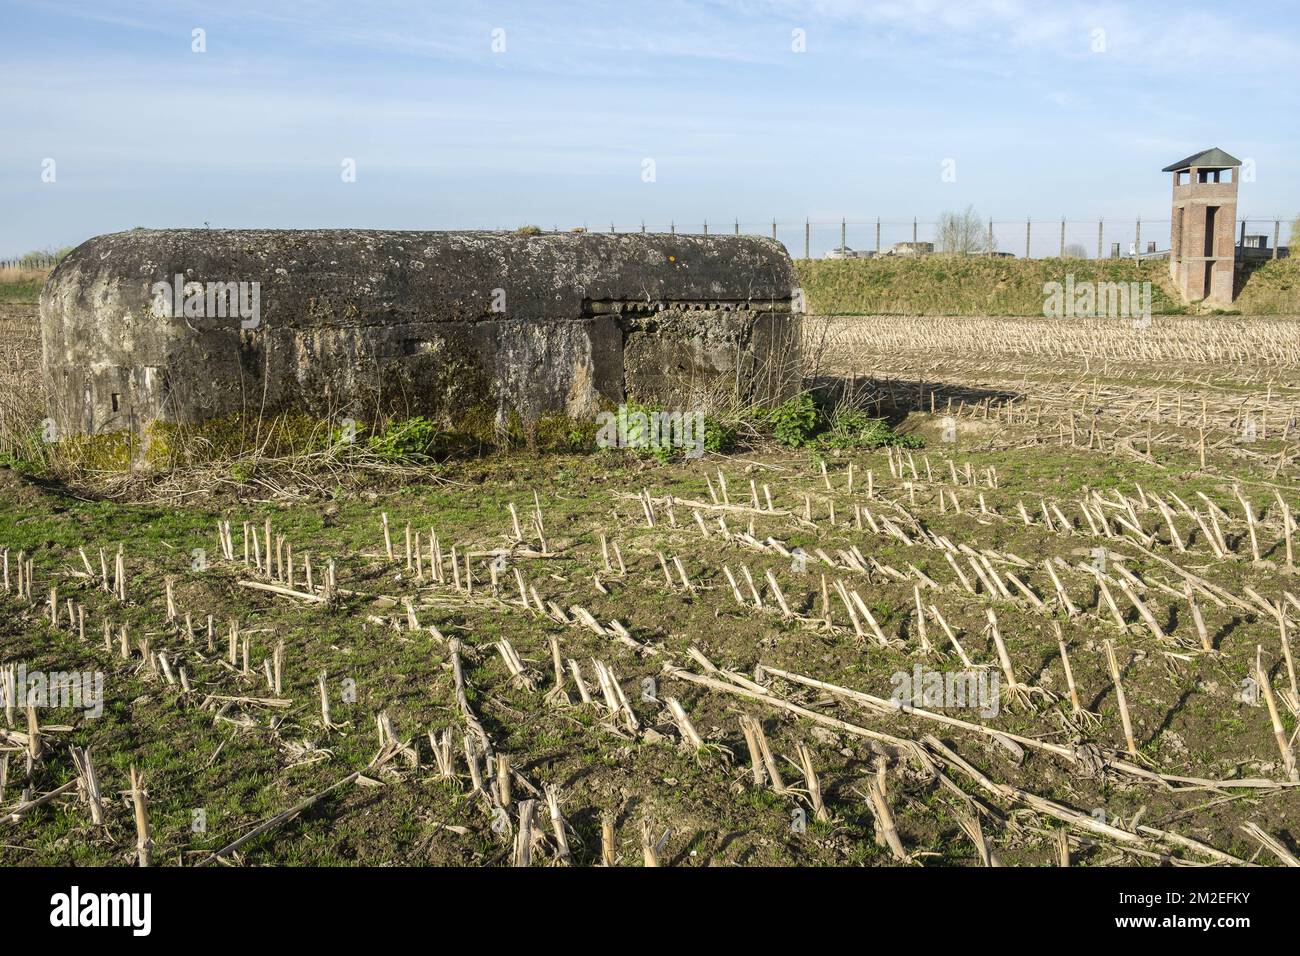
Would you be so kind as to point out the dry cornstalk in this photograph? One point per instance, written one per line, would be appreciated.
(812, 783)
(1197, 618)
(970, 823)
(757, 773)
(1147, 617)
(754, 727)
(576, 671)
(515, 666)
(683, 723)
(282, 817)
(1275, 845)
(16, 814)
(608, 847)
(780, 598)
(143, 837)
(471, 763)
(504, 794)
(1077, 711)
(1279, 732)
(1120, 699)
(443, 756)
(649, 851)
(453, 649)
(885, 827)
(524, 835)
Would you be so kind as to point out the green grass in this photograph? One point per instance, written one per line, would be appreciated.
(970, 285)
(23, 291)
(1272, 289)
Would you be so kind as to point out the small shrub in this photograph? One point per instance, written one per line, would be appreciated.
(409, 440)
(794, 422)
(719, 436)
(855, 429)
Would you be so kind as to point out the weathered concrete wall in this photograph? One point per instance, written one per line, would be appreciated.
(363, 323)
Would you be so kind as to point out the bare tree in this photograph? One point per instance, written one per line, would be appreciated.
(964, 234)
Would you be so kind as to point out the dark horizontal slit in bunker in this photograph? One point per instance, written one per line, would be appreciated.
(594, 307)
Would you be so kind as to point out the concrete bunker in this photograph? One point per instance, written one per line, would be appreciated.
(183, 326)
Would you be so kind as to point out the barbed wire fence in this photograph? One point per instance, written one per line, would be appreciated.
(1024, 238)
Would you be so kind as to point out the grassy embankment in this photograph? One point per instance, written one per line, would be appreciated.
(945, 285)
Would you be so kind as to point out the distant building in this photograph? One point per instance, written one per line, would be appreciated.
(911, 249)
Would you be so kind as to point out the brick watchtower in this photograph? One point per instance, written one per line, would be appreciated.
(1201, 242)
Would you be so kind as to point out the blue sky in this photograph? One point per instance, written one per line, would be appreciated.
(1041, 114)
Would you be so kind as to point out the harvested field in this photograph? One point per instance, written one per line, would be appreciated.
(599, 658)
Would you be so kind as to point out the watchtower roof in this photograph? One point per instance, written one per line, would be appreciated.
(1213, 158)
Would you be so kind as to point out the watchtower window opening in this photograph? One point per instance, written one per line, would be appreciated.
(116, 400)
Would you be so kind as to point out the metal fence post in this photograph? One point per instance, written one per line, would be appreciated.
(773, 228)
(877, 235)
(1062, 237)
(990, 237)
(1099, 239)
(1137, 242)
(1277, 235)
(1027, 228)
(807, 237)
